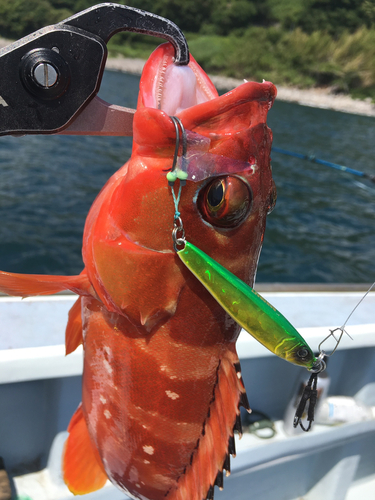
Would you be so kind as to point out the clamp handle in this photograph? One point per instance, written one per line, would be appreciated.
(106, 19)
(48, 77)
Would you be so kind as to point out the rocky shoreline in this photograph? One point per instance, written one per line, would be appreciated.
(316, 97)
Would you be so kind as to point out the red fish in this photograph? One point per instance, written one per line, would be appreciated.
(162, 384)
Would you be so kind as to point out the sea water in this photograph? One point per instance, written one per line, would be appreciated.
(322, 229)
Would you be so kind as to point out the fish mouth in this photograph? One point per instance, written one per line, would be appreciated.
(230, 127)
(167, 89)
(172, 88)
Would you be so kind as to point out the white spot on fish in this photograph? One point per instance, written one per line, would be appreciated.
(107, 414)
(146, 461)
(173, 377)
(133, 475)
(138, 485)
(172, 395)
(148, 449)
(107, 366)
(3, 102)
(102, 399)
(239, 375)
(163, 368)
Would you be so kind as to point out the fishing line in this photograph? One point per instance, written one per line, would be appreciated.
(336, 166)
(178, 233)
(310, 392)
(342, 328)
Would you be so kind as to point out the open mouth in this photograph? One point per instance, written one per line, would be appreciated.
(173, 88)
(224, 133)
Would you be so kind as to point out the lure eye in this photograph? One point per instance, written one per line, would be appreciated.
(302, 354)
(225, 201)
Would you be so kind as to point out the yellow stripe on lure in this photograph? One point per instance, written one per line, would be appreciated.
(251, 311)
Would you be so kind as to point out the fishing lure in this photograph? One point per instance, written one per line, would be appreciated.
(257, 316)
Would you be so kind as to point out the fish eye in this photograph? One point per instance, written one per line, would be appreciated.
(225, 201)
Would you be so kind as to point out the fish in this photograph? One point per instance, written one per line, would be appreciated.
(162, 385)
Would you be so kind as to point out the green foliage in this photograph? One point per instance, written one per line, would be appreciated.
(290, 42)
(221, 17)
(20, 17)
(336, 16)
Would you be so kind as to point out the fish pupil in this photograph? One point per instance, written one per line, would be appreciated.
(215, 194)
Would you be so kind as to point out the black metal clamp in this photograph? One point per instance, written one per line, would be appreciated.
(50, 76)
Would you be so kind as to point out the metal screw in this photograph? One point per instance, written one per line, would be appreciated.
(45, 75)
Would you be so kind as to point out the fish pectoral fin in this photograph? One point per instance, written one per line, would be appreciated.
(83, 471)
(73, 331)
(25, 285)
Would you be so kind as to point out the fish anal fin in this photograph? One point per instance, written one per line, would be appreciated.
(26, 285)
(83, 471)
(216, 443)
(73, 331)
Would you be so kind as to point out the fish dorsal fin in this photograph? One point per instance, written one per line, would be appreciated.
(82, 469)
(216, 444)
(73, 332)
(26, 285)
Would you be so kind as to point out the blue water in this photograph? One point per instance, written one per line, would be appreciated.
(322, 229)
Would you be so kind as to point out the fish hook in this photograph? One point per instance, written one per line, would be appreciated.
(180, 174)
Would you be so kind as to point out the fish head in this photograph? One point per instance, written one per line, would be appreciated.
(223, 205)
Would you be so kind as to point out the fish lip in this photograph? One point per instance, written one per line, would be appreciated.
(153, 77)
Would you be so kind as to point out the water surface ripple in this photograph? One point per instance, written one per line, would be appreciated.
(322, 229)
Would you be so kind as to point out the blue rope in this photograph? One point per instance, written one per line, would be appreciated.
(176, 201)
(325, 163)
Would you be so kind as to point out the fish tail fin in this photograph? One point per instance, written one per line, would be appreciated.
(25, 285)
(83, 471)
(212, 456)
(73, 332)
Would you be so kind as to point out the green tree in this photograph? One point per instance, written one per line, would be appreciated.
(335, 16)
(21, 17)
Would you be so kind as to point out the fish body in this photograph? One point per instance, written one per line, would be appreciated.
(161, 393)
(162, 384)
